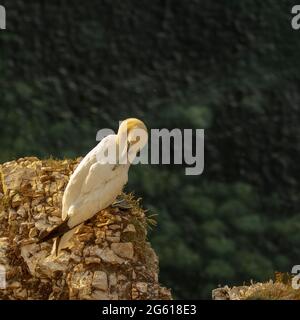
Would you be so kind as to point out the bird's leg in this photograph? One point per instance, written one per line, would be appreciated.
(121, 203)
(54, 251)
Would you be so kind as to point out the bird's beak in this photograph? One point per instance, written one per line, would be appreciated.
(125, 153)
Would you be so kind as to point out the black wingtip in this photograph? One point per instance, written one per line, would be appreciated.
(55, 232)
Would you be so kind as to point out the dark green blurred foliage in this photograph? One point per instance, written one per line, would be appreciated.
(70, 68)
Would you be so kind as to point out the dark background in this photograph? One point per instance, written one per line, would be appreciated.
(70, 68)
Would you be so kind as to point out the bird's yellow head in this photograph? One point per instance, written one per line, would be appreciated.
(133, 135)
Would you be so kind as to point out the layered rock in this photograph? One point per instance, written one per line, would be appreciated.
(109, 257)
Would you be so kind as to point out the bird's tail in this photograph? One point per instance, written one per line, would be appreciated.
(55, 232)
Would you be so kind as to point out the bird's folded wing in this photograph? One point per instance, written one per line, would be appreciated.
(88, 176)
(98, 175)
(73, 189)
(99, 197)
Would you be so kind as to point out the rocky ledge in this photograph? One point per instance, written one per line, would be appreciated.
(110, 257)
(280, 288)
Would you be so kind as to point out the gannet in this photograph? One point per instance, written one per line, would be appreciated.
(98, 180)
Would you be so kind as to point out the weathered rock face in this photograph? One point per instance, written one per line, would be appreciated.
(109, 257)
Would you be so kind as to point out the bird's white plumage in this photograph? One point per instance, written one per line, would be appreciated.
(96, 183)
(93, 186)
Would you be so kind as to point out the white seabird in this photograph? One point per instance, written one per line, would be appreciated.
(98, 180)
